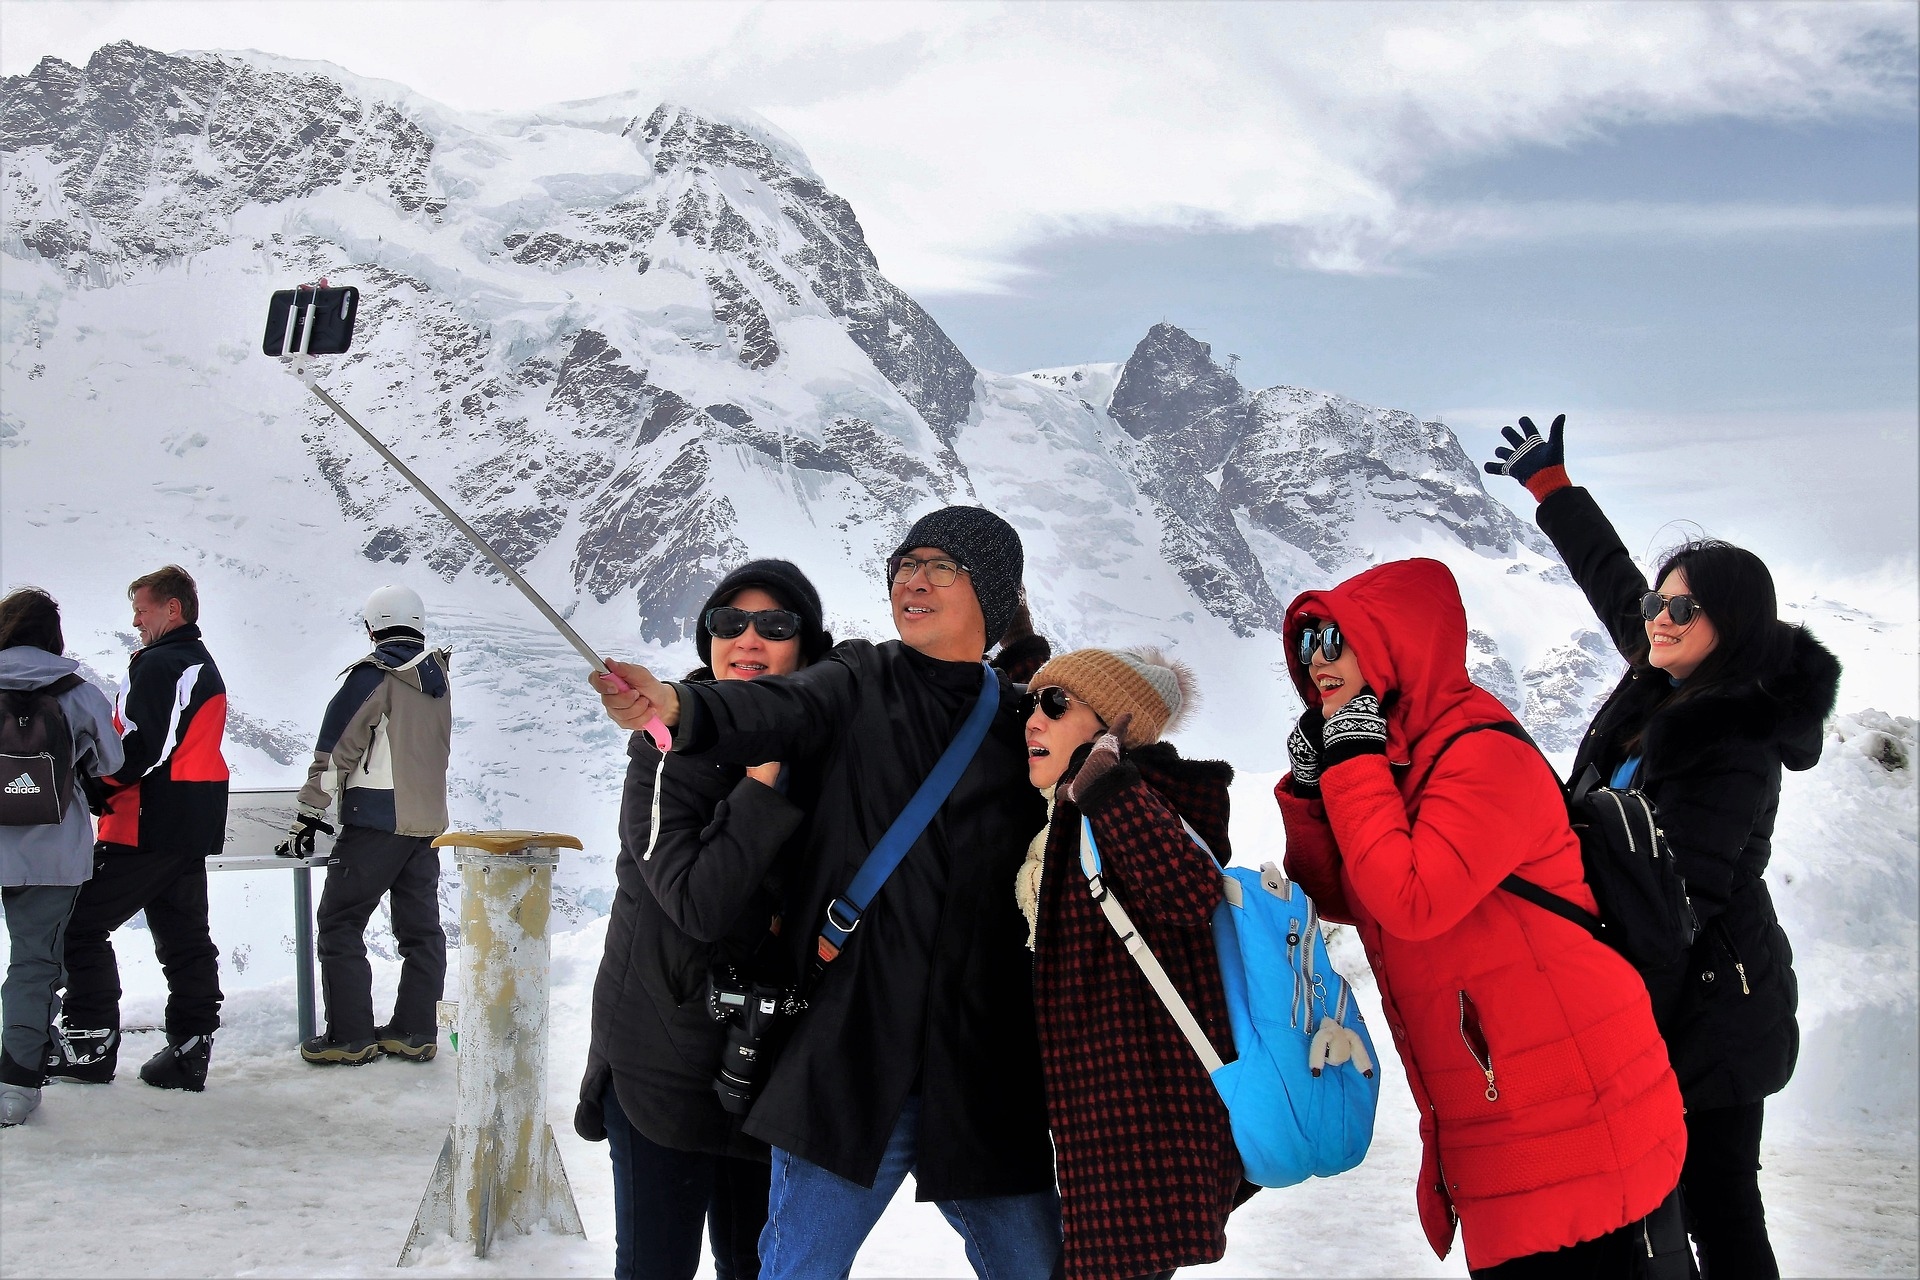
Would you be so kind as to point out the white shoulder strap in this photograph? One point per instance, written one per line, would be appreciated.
(1142, 954)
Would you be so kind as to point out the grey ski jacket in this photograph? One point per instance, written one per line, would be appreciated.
(60, 854)
(384, 742)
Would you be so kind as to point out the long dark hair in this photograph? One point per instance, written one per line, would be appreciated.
(1736, 592)
(31, 617)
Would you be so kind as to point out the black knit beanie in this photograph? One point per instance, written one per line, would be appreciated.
(988, 547)
(782, 580)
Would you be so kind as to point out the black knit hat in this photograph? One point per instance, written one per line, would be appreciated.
(782, 580)
(988, 547)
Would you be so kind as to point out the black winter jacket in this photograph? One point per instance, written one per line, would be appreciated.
(933, 991)
(1711, 764)
(706, 893)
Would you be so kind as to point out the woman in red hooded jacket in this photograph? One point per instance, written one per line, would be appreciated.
(1549, 1117)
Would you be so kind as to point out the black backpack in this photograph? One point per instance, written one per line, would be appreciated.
(36, 755)
(1645, 913)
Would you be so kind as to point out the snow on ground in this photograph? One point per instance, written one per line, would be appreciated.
(281, 1169)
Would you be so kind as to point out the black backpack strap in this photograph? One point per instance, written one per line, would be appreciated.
(71, 680)
(1544, 898)
(1553, 902)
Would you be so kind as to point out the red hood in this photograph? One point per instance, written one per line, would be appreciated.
(1407, 628)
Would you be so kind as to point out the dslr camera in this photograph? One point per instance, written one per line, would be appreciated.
(749, 1010)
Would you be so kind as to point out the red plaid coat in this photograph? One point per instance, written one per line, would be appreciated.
(1145, 1157)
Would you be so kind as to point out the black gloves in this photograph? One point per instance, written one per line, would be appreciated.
(1357, 729)
(1529, 454)
(1303, 746)
(299, 841)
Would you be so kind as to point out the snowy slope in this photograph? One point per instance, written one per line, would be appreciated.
(637, 342)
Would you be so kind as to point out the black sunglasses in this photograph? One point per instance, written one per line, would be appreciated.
(727, 622)
(1054, 701)
(1326, 639)
(1682, 609)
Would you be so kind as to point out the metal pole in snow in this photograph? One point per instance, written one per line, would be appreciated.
(499, 1166)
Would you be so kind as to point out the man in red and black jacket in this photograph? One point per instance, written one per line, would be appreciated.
(168, 814)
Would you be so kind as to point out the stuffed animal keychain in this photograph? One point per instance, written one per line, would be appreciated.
(1334, 1044)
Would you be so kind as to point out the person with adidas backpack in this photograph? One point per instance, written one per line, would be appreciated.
(1142, 1143)
(1550, 1120)
(57, 737)
(1719, 697)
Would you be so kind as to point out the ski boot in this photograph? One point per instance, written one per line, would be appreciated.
(181, 1065)
(417, 1048)
(17, 1102)
(83, 1055)
(325, 1051)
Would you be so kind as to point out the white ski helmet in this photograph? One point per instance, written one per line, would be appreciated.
(395, 607)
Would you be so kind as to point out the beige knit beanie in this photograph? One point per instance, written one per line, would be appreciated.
(1157, 690)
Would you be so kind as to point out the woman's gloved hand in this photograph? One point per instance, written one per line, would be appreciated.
(1357, 729)
(1303, 748)
(1536, 462)
(1104, 760)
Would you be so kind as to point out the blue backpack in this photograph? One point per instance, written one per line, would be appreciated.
(1302, 1092)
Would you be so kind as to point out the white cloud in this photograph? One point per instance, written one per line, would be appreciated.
(964, 134)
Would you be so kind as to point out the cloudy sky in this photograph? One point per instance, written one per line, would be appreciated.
(1691, 227)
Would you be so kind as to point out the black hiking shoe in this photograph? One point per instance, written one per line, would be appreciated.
(181, 1065)
(83, 1055)
(325, 1051)
(401, 1045)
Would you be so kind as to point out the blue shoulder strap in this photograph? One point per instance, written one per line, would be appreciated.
(843, 913)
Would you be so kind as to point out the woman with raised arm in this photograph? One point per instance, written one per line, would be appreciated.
(1549, 1117)
(1142, 1143)
(1719, 696)
(701, 849)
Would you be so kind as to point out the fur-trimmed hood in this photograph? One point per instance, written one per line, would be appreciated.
(1787, 710)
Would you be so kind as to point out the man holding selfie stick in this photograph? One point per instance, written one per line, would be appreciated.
(917, 1051)
(382, 749)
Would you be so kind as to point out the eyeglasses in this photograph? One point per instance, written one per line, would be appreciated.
(1327, 639)
(727, 622)
(1682, 609)
(940, 572)
(1054, 701)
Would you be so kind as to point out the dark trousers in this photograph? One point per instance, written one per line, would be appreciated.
(661, 1196)
(172, 889)
(1722, 1184)
(366, 865)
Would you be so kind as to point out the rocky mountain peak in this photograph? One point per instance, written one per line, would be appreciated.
(1171, 387)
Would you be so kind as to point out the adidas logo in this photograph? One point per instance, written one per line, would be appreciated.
(24, 785)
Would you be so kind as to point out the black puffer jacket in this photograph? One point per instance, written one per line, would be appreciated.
(1711, 764)
(933, 991)
(706, 891)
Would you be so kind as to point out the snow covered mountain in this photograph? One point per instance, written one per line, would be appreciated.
(638, 342)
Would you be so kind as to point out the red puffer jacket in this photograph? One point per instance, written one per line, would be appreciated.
(1548, 1113)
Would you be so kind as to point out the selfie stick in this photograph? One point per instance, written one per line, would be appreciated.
(298, 366)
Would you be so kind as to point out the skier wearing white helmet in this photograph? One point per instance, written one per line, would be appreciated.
(382, 752)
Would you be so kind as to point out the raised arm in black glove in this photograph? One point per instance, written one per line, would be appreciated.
(1536, 462)
(1357, 729)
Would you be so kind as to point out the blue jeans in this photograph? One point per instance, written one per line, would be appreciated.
(817, 1221)
(662, 1198)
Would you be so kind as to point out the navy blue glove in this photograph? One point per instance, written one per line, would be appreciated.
(1529, 454)
(1357, 729)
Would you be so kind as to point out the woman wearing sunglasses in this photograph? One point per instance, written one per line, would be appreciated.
(1549, 1117)
(1143, 1149)
(701, 849)
(1719, 697)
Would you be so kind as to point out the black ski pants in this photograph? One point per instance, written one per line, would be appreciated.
(368, 864)
(172, 889)
(1722, 1183)
(662, 1198)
